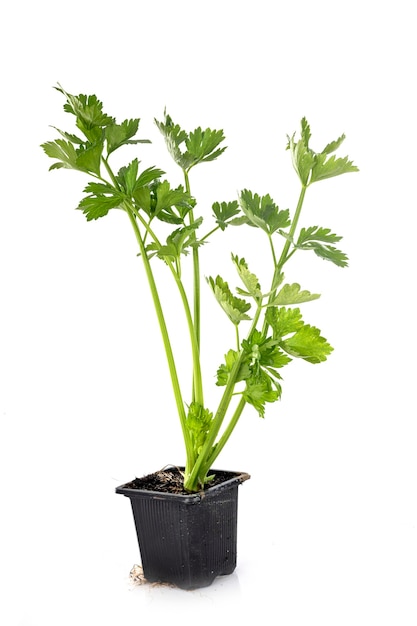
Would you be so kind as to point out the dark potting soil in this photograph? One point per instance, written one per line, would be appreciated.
(170, 480)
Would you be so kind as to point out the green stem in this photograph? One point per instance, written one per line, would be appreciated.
(209, 234)
(110, 173)
(283, 258)
(196, 268)
(271, 243)
(226, 434)
(197, 375)
(200, 467)
(285, 255)
(165, 336)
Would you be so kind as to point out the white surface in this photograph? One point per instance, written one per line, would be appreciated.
(335, 543)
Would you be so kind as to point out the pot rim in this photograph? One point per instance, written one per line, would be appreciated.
(236, 478)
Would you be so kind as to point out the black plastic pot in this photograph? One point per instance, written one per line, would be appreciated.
(187, 540)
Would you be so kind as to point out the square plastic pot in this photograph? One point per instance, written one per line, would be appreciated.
(187, 540)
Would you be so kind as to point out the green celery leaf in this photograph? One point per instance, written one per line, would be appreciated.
(259, 390)
(127, 176)
(224, 212)
(329, 253)
(315, 233)
(69, 136)
(89, 157)
(166, 198)
(328, 167)
(302, 159)
(284, 321)
(202, 145)
(63, 151)
(250, 281)
(235, 308)
(161, 201)
(292, 294)
(264, 352)
(317, 239)
(88, 111)
(94, 207)
(305, 132)
(225, 369)
(262, 212)
(121, 134)
(334, 145)
(130, 180)
(311, 166)
(308, 344)
(145, 200)
(174, 137)
(99, 189)
(178, 242)
(148, 175)
(198, 422)
(199, 146)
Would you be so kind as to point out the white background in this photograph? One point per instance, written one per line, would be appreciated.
(327, 527)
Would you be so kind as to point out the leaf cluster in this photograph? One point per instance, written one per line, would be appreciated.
(262, 356)
(189, 149)
(198, 423)
(314, 166)
(262, 212)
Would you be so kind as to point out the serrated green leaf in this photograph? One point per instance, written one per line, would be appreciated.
(302, 159)
(148, 175)
(161, 201)
(87, 109)
(174, 137)
(305, 132)
(329, 167)
(224, 212)
(284, 321)
(166, 197)
(262, 212)
(329, 253)
(292, 294)
(89, 157)
(315, 233)
(259, 390)
(225, 369)
(144, 200)
(308, 344)
(311, 166)
(70, 137)
(250, 281)
(200, 145)
(264, 351)
(127, 177)
(198, 423)
(317, 239)
(235, 308)
(178, 242)
(118, 135)
(94, 207)
(62, 150)
(334, 145)
(99, 189)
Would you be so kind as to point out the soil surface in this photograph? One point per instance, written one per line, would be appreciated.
(170, 480)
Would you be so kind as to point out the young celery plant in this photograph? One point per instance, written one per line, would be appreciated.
(251, 371)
